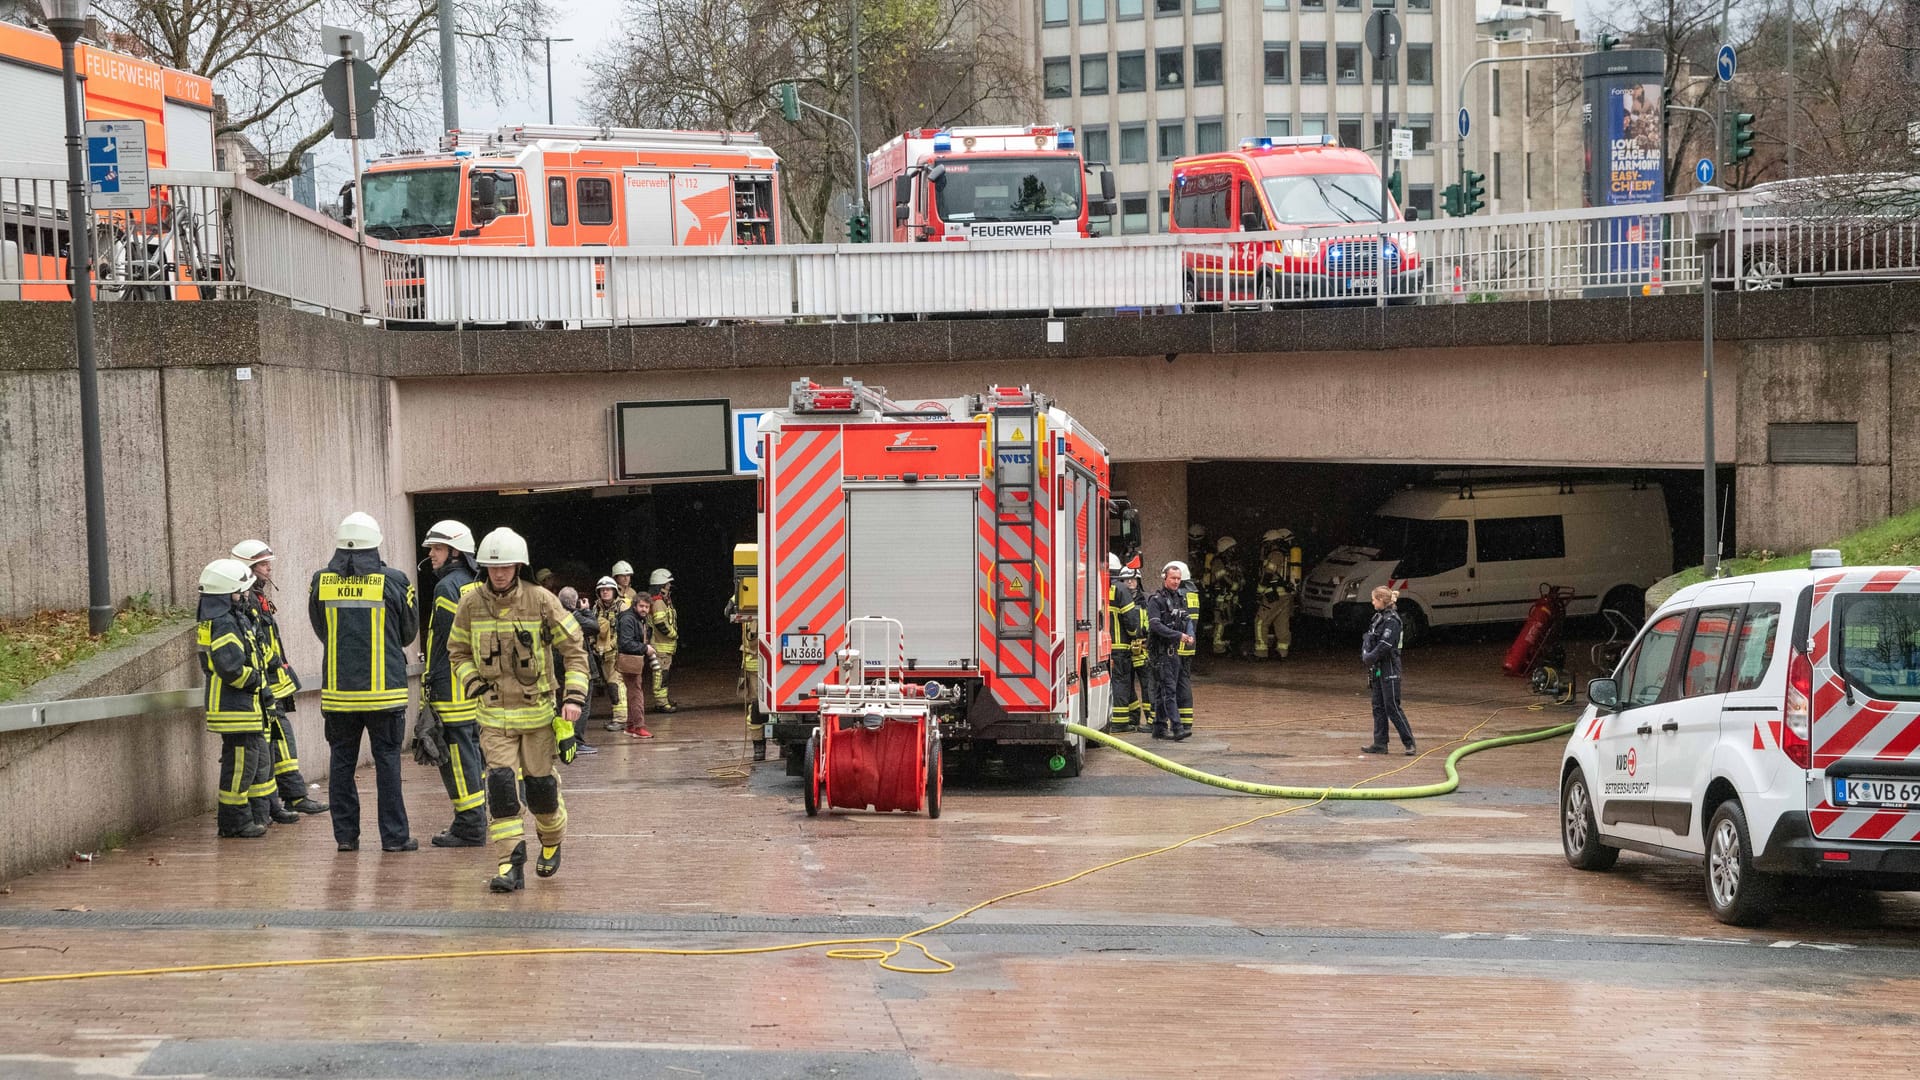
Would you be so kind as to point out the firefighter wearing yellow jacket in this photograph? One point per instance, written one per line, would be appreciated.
(364, 612)
(236, 682)
(1123, 614)
(290, 797)
(1279, 581)
(666, 635)
(506, 635)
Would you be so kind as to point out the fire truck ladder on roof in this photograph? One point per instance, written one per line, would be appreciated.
(1016, 508)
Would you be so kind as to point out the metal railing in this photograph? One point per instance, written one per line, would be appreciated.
(33, 715)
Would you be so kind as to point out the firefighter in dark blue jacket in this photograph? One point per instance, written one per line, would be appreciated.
(1171, 624)
(291, 798)
(231, 657)
(364, 612)
(1380, 650)
(447, 734)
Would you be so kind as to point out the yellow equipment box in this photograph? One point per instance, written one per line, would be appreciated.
(746, 577)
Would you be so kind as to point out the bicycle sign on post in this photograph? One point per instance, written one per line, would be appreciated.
(117, 165)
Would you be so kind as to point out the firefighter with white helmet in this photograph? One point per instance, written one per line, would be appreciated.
(1182, 721)
(446, 735)
(1124, 625)
(1136, 670)
(1225, 583)
(666, 634)
(237, 688)
(1278, 581)
(363, 611)
(290, 798)
(1170, 622)
(608, 602)
(506, 636)
(622, 575)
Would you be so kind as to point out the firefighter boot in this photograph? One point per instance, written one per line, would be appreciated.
(278, 812)
(513, 875)
(549, 862)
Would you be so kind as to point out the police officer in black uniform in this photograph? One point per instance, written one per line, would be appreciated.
(1380, 650)
(1171, 624)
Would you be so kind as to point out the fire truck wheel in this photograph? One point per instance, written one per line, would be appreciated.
(1076, 756)
(812, 775)
(934, 764)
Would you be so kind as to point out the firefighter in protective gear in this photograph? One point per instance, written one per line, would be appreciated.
(1170, 622)
(237, 689)
(290, 798)
(505, 639)
(1182, 721)
(666, 635)
(622, 575)
(608, 603)
(1123, 611)
(1138, 672)
(1197, 544)
(749, 683)
(448, 709)
(1226, 583)
(363, 611)
(1278, 582)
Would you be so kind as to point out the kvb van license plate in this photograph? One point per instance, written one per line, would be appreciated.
(803, 648)
(1890, 794)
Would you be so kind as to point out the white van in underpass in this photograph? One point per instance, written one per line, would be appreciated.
(1481, 553)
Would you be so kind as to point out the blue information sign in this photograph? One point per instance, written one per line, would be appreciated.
(1703, 172)
(1465, 121)
(1723, 63)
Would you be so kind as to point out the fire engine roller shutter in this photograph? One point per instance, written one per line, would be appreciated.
(910, 557)
(190, 138)
(38, 126)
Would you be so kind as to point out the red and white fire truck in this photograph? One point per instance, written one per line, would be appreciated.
(984, 183)
(979, 525)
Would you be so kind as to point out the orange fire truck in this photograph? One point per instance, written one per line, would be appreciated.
(984, 183)
(548, 186)
(167, 242)
(980, 528)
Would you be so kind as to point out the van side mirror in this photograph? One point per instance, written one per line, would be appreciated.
(486, 198)
(346, 202)
(936, 174)
(1413, 213)
(902, 190)
(901, 212)
(1605, 694)
(1107, 187)
(1252, 220)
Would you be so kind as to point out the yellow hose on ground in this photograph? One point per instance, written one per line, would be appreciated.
(866, 948)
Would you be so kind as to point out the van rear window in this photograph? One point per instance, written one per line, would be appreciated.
(1878, 638)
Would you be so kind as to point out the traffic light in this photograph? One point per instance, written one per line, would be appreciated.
(1397, 186)
(1609, 42)
(1452, 202)
(1473, 192)
(859, 230)
(1739, 138)
(790, 102)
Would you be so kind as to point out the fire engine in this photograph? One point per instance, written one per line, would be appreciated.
(560, 186)
(984, 183)
(166, 242)
(979, 526)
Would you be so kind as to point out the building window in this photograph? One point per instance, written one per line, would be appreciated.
(1170, 68)
(1209, 136)
(1166, 7)
(1279, 127)
(1313, 62)
(1313, 5)
(1133, 213)
(1349, 5)
(1054, 12)
(1173, 139)
(1420, 64)
(1313, 126)
(1422, 127)
(1130, 72)
(1205, 5)
(594, 197)
(1383, 3)
(1528, 166)
(1128, 9)
(1496, 174)
(1093, 74)
(1495, 108)
(1276, 5)
(1058, 77)
(1279, 57)
(1206, 65)
(1133, 143)
(1164, 212)
(1419, 5)
(1350, 131)
(1346, 62)
(1096, 143)
(1420, 197)
(1093, 11)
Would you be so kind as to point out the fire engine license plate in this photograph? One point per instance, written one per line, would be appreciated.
(1362, 284)
(1898, 794)
(803, 648)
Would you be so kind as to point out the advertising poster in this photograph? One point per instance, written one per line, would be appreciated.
(1635, 168)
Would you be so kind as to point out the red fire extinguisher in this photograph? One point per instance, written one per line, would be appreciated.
(1542, 620)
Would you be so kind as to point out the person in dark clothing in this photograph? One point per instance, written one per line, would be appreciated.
(582, 612)
(634, 634)
(1171, 624)
(237, 687)
(1380, 649)
(447, 710)
(365, 614)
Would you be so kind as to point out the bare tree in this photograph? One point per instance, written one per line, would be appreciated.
(265, 57)
(715, 64)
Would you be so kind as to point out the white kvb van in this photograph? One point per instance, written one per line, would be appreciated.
(1763, 726)
(1480, 553)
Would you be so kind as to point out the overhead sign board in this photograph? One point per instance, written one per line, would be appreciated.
(666, 440)
(746, 441)
(117, 164)
(1403, 144)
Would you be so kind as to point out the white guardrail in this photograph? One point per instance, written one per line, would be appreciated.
(220, 235)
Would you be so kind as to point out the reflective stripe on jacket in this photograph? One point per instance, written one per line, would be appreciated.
(364, 613)
(230, 657)
(505, 647)
(449, 699)
(666, 624)
(281, 681)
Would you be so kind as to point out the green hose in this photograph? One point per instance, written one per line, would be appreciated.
(1276, 791)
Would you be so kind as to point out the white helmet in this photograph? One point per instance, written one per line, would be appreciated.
(225, 576)
(1277, 536)
(1225, 544)
(252, 551)
(606, 583)
(502, 547)
(1196, 532)
(357, 532)
(451, 533)
(1113, 563)
(622, 567)
(1130, 574)
(659, 578)
(1175, 565)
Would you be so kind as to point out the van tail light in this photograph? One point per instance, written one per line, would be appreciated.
(1796, 731)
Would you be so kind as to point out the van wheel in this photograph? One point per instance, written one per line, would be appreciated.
(1413, 624)
(1579, 835)
(1738, 894)
(1630, 602)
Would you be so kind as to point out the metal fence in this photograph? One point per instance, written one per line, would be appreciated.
(216, 235)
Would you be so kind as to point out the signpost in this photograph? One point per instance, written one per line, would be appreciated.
(117, 165)
(1703, 172)
(746, 441)
(1466, 122)
(350, 91)
(1724, 63)
(1403, 144)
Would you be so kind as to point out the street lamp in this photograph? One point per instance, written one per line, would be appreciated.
(68, 20)
(1707, 212)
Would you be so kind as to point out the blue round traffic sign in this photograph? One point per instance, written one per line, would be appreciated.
(1465, 121)
(1703, 172)
(1723, 63)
